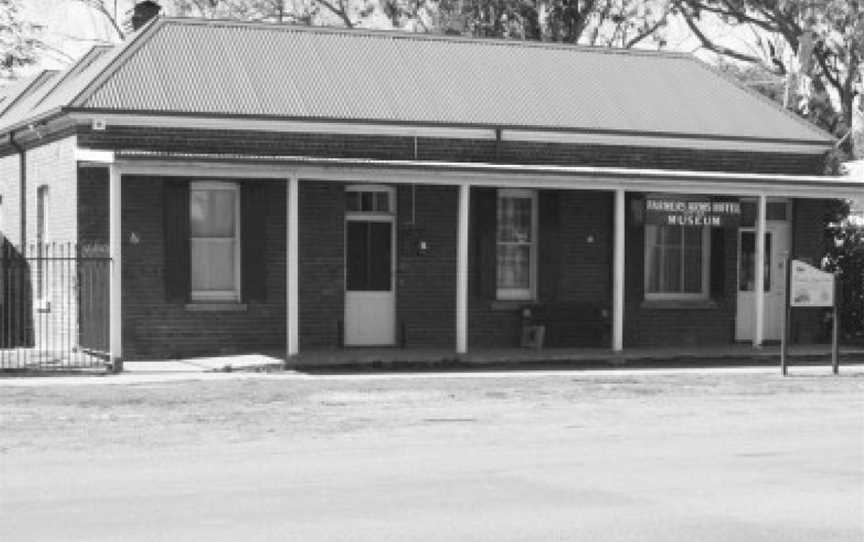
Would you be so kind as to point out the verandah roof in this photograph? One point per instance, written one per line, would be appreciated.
(226, 68)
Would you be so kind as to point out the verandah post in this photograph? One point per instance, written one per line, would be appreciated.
(115, 315)
(462, 270)
(292, 223)
(618, 274)
(759, 274)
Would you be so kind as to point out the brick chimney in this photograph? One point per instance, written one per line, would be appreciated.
(143, 12)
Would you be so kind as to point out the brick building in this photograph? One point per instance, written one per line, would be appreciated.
(264, 187)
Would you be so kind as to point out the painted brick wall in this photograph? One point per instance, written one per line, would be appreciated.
(154, 328)
(454, 150)
(426, 284)
(321, 270)
(53, 165)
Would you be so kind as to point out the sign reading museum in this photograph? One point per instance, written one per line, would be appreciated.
(691, 211)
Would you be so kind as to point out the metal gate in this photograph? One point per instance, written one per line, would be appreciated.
(53, 307)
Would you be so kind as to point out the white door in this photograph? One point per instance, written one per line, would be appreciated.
(776, 246)
(370, 294)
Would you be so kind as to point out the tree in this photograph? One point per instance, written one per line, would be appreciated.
(818, 44)
(611, 23)
(19, 43)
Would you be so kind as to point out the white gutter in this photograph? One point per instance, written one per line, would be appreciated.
(488, 174)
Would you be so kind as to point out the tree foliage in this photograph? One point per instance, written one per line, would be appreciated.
(19, 42)
(820, 43)
(613, 23)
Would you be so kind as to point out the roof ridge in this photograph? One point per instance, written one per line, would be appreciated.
(422, 36)
(765, 99)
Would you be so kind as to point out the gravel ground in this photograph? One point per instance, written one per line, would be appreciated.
(574, 456)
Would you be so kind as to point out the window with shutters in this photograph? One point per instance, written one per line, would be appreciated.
(677, 261)
(214, 241)
(516, 244)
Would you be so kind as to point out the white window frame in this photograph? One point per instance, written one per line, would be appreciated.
(706, 269)
(519, 294)
(373, 189)
(219, 295)
(373, 216)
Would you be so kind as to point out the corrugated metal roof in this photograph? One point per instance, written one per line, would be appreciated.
(263, 70)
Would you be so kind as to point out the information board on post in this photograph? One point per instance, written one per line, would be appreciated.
(811, 287)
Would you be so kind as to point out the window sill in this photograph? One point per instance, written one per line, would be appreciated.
(200, 306)
(511, 304)
(671, 304)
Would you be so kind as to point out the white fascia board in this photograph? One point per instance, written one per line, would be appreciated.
(498, 175)
(283, 126)
(715, 144)
(91, 156)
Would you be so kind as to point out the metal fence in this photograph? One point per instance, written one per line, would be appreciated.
(53, 307)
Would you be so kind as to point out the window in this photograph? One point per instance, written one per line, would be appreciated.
(214, 225)
(676, 262)
(516, 244)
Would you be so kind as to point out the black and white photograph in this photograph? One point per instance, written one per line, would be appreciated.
(432, 270)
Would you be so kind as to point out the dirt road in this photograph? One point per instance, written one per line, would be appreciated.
(575, 456)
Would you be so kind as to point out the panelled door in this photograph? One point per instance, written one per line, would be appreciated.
(777, 240)
(370, 293)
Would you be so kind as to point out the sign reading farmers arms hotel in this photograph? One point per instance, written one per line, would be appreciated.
(672, 210)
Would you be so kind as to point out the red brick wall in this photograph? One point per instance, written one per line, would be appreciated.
(426, 284)
(584, 276)
(10, 190)
(453, 150)
(93, 207)
(154, 328)
(321, 270)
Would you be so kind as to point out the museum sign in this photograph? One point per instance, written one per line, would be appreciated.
(677, 210)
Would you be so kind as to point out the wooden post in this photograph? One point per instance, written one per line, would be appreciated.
(462, 270)
(618, 278)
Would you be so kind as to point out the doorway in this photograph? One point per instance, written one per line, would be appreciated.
(370, 262)
(777, 241)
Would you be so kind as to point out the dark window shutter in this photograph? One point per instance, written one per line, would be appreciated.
(175, 214)
(718, 263)
(253, 242)
(548, 245)
(485, 222)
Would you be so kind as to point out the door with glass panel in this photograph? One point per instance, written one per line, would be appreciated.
(777, 233)
(370, 293)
